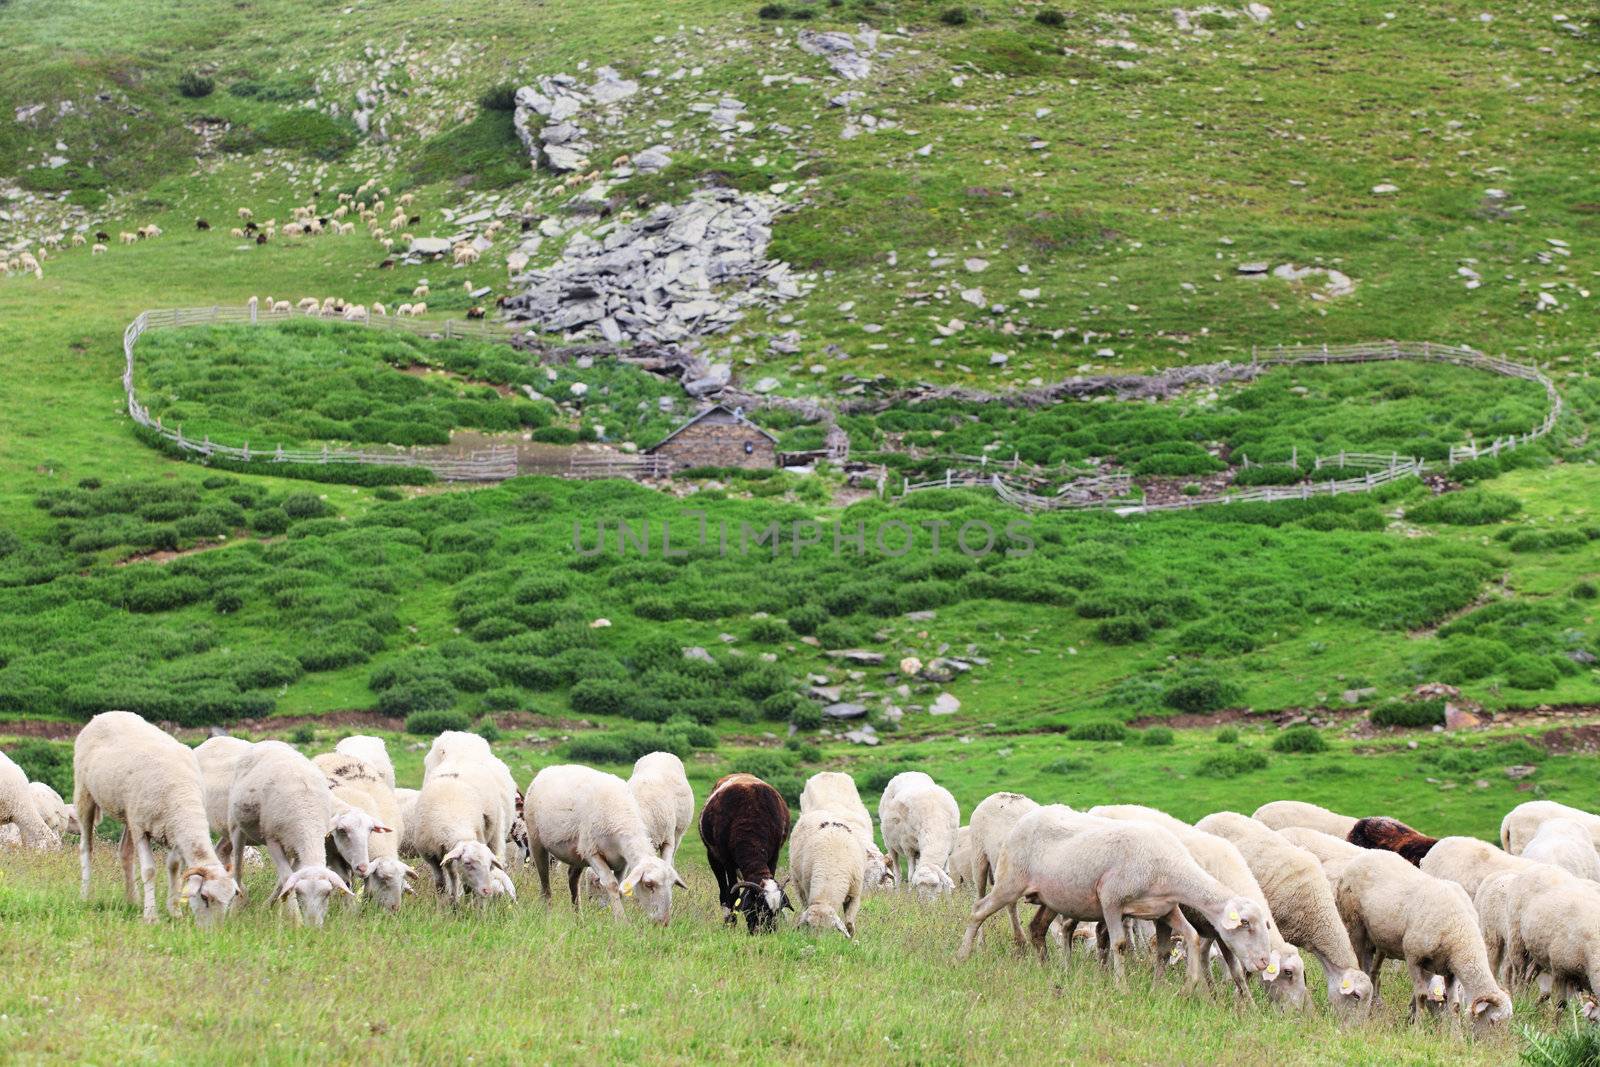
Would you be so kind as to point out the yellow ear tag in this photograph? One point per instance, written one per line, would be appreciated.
(627, 890)
(1172, 957)
(1271, 972)
(1346, 986)
(1233, 916)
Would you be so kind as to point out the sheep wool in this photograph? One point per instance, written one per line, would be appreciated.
(920, 820)
(661, 789)
(828, 868)
(17, 807)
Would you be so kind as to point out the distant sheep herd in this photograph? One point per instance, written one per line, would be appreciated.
(1470, 921)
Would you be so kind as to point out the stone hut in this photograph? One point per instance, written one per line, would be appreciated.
(718, 437)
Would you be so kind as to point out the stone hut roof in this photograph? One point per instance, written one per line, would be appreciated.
(734, 414)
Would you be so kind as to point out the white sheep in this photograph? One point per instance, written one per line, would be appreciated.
(282, 801)
(57, 814)
(97, 249)
(1564, 843)
(407, 799)
(961, 858)
(1300, 898)
(17, 807)
(454, 750)
(372, 749)
(991, 823)
(1549, 921)
(920, 820)
(420, 290)
(131, 771)
(588, 819)
(1284, 974)
(661, 789)
(282, 306)
(836, 792)
(218, 757)
(1467, 861)
(453, 826)
(1393, 909)
(1282, 813)
(1522, 822)
(418, 310)
(360, 784)
(128, 238)
(828, 869)
(1088, 869)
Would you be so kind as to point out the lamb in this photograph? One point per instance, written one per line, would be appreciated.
(588, 819)
(1522, 822)
(132, 771)
(828, 868)
(17, 807)
(57, 814)
(1301, 901)
(1392, 835)
(836, 792)
(452, 826)
(992, 822)
(1564, 843)
(371, 749)
(744, 824)
(454, 750)
(920, 819)
(1393, 909)
(1281, 813)
(281, 800)
(1284, 974)
(661, 789)
(360, 785)
(1089, 869)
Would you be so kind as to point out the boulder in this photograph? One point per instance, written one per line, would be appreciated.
(844, 710)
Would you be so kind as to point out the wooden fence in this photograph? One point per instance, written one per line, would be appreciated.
(618, 465)
(1379, 469)
(493, 464)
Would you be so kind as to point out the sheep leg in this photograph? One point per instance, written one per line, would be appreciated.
(724, 887)
(541, 863)
(1039, 933)
(574, 874)
(86, 819)
(608, 882)
(174, 865)
(1191, 943)
(125, 851)
(284, 869)
(1164, 944)
(1419, 991)
(1111, 910)
(981, 911)
(147, 874)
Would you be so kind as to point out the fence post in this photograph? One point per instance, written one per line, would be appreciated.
(1294, 455)
(252, 313)
(247, 451)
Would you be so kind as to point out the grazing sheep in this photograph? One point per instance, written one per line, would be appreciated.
(421, 290)
(1549, 921)
(1284, 974)
(1522, 822)
(201, 224)
(661, 789)
(920, 819)
(57, 814)
(79, 240)
(1393, 909)
(828, 868)
(1564, 843)
(836, 792)
(1467, 861)
(379, 309)
(407, 799)
(1281, 813)
(360, 785)
(236, 232)
(18, 808)
(1300, 898)
(744, 824)
(282, 306)
(588, 819)
(991, 823)
(246, 214)
(218, 758)
(402, 310)
(128, 238)
(456, 750)
(371, 749)
(453, 826)
(97, 249)
(282, 801)
(1088, 869)
(961, 858)
(149, 231)
(131, 771)
(417, 310)
(1391, 835)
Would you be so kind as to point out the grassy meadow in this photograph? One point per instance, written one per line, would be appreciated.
(1011, 199)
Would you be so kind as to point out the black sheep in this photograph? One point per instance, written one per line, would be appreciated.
(201, 224)
(1391, 835)
(744, 825)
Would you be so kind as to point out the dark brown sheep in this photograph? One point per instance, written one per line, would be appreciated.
(475, 313)
(1391, 835)
(201, 224)
(744, 824)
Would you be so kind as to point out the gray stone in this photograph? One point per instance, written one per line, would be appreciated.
(1581, 655)
(1356, 696)
(428, 246)
(766, 385)
(845, 710)
(861, 656)
(1253, 268)
(1520, 771)
(944, 704)
(695, 652)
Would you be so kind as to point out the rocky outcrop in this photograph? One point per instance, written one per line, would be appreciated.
(556, 103)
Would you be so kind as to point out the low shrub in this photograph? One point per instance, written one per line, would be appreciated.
(1157, 736)
(1228, 735)
(432, 723)
(769, 632)
(1200, 693)
(305, 506)
(1098, 731)
(488, 730)
(1050, 17)
(1585, 591)
(503, 698)
(954, 16)
(1472, 507)
(502, 97)
(806, 716)
(1068, 766)
(772, 11)
(604, 696)
(1531, 672)
(195, 86)
(427, 693)
(1412, 713)
(49, 762)
(304, 734)
(1300, 739)
(1232, 763)
(1123, 629)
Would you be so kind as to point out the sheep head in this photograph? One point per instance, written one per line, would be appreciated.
(312, 886)
(1490, 1010)
(820, 918)
(649, 883)
(474, 864)
(1350, 992)
(761, 904)
(931, 881)
(880, 874)
(1285, 979)
(389, 880)
(1244, 926)
(209, 892)
(351, 833)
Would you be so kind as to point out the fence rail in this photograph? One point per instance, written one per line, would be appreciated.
(492, 464)
(1380, 469)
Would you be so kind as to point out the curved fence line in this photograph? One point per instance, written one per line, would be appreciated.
(496, 464)
(1380, 469)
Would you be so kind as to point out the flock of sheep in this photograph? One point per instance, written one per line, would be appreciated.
(1468, 920)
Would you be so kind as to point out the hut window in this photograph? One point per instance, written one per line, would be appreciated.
(749, 448)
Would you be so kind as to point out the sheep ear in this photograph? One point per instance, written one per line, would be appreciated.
(288, 887)
(838, 924)
(338, 883)
(628, 883)
(1274, 967)
(453, 856)
(1480, 1005)
(677, 880)
(1347, 986)
(1231, 920)
(411, 872)
(382, 830)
